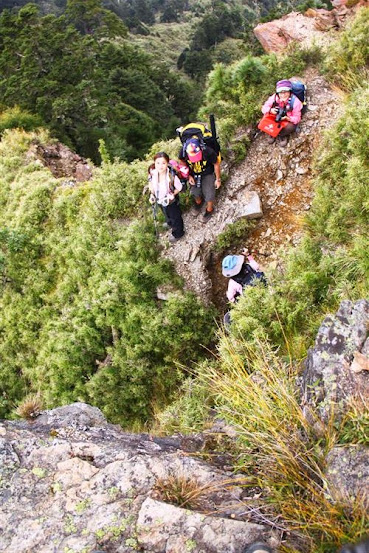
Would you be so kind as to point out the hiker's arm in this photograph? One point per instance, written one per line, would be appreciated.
(234, 289)
(268, 105)
(177, 186)
(218, 182)
(295, 115)
(254, 264)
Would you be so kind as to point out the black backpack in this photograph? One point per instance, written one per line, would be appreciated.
(205, 136)
(248, 276)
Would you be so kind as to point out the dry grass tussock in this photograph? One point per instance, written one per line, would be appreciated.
(30, 407)
(256, 392)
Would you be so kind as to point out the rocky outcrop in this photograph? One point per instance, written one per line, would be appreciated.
(69, 481)
(306, 29)
(275, 36)
(332, 377)
(62, 162)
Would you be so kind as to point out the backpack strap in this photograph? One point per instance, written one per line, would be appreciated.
(172, 174)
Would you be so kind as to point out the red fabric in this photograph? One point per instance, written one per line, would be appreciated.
(269, 125)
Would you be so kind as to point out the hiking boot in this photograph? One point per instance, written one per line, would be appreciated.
(270, 139)
(172, 239)
(207, 215)
(283, 141)
(258, 548)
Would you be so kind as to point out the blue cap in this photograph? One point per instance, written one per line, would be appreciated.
(231, 265)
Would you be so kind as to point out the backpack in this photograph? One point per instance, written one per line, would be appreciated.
(299, 90)
(248, 276)
(175, 171)
(202, 133)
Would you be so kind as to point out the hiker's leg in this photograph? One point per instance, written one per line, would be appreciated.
(287, 130)
(175, 214)
(208, 190)
(167, 218)
(196, 193)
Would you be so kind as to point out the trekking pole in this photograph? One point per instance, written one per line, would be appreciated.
(154, 208)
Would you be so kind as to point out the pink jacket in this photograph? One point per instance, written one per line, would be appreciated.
(235, 289)
(294, 115)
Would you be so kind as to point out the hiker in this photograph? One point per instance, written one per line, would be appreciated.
(204, 176)
(242, 270)
(283, 108)
(241, 273)
(165, 186)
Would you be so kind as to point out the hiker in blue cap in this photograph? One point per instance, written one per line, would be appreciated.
(242, 271)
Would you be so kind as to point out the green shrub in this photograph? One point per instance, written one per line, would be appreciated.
(79, 313)
(12, 118)
(234, 234)
(347, 62)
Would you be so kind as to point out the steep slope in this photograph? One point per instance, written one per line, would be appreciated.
(282, 179)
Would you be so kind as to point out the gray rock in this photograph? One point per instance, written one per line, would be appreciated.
(348, 473)
(251, 208)
(69, 481)
(328, 382)
(76, 414)
(163, 527)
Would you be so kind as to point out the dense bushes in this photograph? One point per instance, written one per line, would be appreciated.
(79, 314)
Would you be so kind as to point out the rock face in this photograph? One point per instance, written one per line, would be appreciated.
(69, 481)
(62, 162)
(348, 473)
(331, 377)
(275, 36)
(315, 26)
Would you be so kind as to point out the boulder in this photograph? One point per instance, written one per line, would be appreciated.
(329, 382)
(70, 481)
(251, 206)
(275, 36)
(163, 527)
(348, 473)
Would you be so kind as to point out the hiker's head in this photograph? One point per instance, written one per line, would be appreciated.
(232, 264)
(193, 150)
(161, 161)
(283, 89)
(283, 86)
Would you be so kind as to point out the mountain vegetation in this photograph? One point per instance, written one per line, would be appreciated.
(80, 314)
(252, 382)
(84, 85)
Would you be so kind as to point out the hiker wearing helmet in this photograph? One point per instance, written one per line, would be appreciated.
(284, 110)
(164, 188)
(204, 176)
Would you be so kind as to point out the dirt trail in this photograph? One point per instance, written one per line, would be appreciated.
(282, 179)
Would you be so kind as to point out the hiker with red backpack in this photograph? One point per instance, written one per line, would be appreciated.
(201, 151)
(165, 186)
(282, 111)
